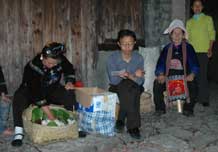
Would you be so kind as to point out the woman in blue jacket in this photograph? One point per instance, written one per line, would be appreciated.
(178, 58)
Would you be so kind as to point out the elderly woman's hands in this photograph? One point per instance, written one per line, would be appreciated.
(190, 77)
(161, 78)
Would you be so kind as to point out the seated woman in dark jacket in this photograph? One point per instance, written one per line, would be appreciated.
(178, 58)
(41, 85)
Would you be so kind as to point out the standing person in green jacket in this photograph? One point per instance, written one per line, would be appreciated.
(201, 35)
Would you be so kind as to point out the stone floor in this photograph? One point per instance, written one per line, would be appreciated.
(171, 132)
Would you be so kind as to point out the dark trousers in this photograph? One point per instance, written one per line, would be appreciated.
(22, 100)
(202, 78)
(159, 97)
(129, 96)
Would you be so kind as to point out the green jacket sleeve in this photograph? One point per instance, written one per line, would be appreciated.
(211, 30)
(188, 28)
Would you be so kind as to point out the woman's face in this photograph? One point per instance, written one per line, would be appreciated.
(177, 35)
(49, 62)
(126, 44)
(197, 7)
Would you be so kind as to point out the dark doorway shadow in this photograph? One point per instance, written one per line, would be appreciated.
(210, 8)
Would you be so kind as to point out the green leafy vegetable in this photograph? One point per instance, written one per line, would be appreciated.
(61, 114)
(54, 112)
(52, 124)
(37, 115)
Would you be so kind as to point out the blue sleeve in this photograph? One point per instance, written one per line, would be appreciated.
(192, 60)
(161, 63)
(140, 80)
(111, 66)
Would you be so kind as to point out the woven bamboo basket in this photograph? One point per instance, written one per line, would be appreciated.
(146, 103)
(40, 134)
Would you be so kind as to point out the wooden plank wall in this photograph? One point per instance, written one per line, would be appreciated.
(114, 15)
(27, 25)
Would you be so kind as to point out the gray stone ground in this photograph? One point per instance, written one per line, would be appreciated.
(171, 132)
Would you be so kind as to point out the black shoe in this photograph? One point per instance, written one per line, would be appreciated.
(134, 133)
(119, 127)
(17, 142)
(188, 113)
(205, 104)
(159, 112)
(82, 134)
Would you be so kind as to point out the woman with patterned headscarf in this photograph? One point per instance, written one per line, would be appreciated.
(41, 86)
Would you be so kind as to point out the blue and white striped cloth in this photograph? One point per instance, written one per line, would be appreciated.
(101, 122)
